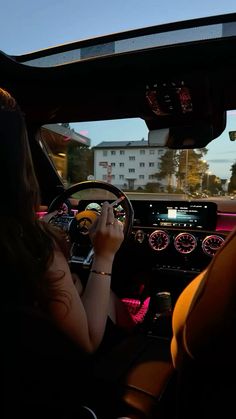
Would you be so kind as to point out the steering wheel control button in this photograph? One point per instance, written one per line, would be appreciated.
(139, 236)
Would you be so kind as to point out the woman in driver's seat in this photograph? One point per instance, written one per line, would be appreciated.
(34, 252)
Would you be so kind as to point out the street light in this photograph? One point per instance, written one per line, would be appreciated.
(186, 172)
(202, 175)
(208, 174)
(227, 185)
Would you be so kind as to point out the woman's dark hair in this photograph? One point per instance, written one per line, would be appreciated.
(26, 243)
(20, 186)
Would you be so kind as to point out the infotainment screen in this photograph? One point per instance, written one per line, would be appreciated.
(199, 215)
(180, 214)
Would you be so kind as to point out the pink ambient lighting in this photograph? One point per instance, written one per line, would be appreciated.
(41, 214)
(136, 308)
(226, 221)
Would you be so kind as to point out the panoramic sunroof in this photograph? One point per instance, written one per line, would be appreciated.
(157, 37)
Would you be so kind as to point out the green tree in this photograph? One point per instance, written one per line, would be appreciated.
(232, 183)
(212, 184)
(167, 168)
(188, 166)
(80, 162)
(191, 169)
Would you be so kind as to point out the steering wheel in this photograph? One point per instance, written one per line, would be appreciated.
(77, 226)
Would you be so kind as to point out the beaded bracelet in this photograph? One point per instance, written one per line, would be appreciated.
(100, 272)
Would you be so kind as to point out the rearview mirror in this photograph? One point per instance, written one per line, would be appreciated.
(232, 135)
(197, 135)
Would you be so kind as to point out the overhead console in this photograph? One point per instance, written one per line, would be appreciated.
(169, 98)
(186, 110)
(176, 214)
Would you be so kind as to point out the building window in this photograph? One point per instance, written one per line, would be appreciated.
(131, 170)
(113, 164)
(142, 152)
(113, 177)
(113, 153)
(121, 177)
(141, 176)
(104, 177)
(141, 164)
(152, 177)
(151, 164)
(122, 152)
(122, 164)
(104, 153)
(151, 151)
(132, 158)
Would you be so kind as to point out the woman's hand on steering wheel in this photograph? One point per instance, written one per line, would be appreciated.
(106, 233)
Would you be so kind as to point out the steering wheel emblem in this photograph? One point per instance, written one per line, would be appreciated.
(83, 226)
(85, 220)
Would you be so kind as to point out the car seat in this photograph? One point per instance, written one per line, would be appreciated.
(205, 334)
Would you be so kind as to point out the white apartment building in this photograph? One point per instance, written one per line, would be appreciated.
(127, 164)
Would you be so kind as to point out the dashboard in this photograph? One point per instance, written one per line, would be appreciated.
(181, 236)
(180, 228)
(170, 242)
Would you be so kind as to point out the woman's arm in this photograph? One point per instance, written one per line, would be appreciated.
(84, 318)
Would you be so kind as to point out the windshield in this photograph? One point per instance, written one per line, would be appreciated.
(118, 152)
